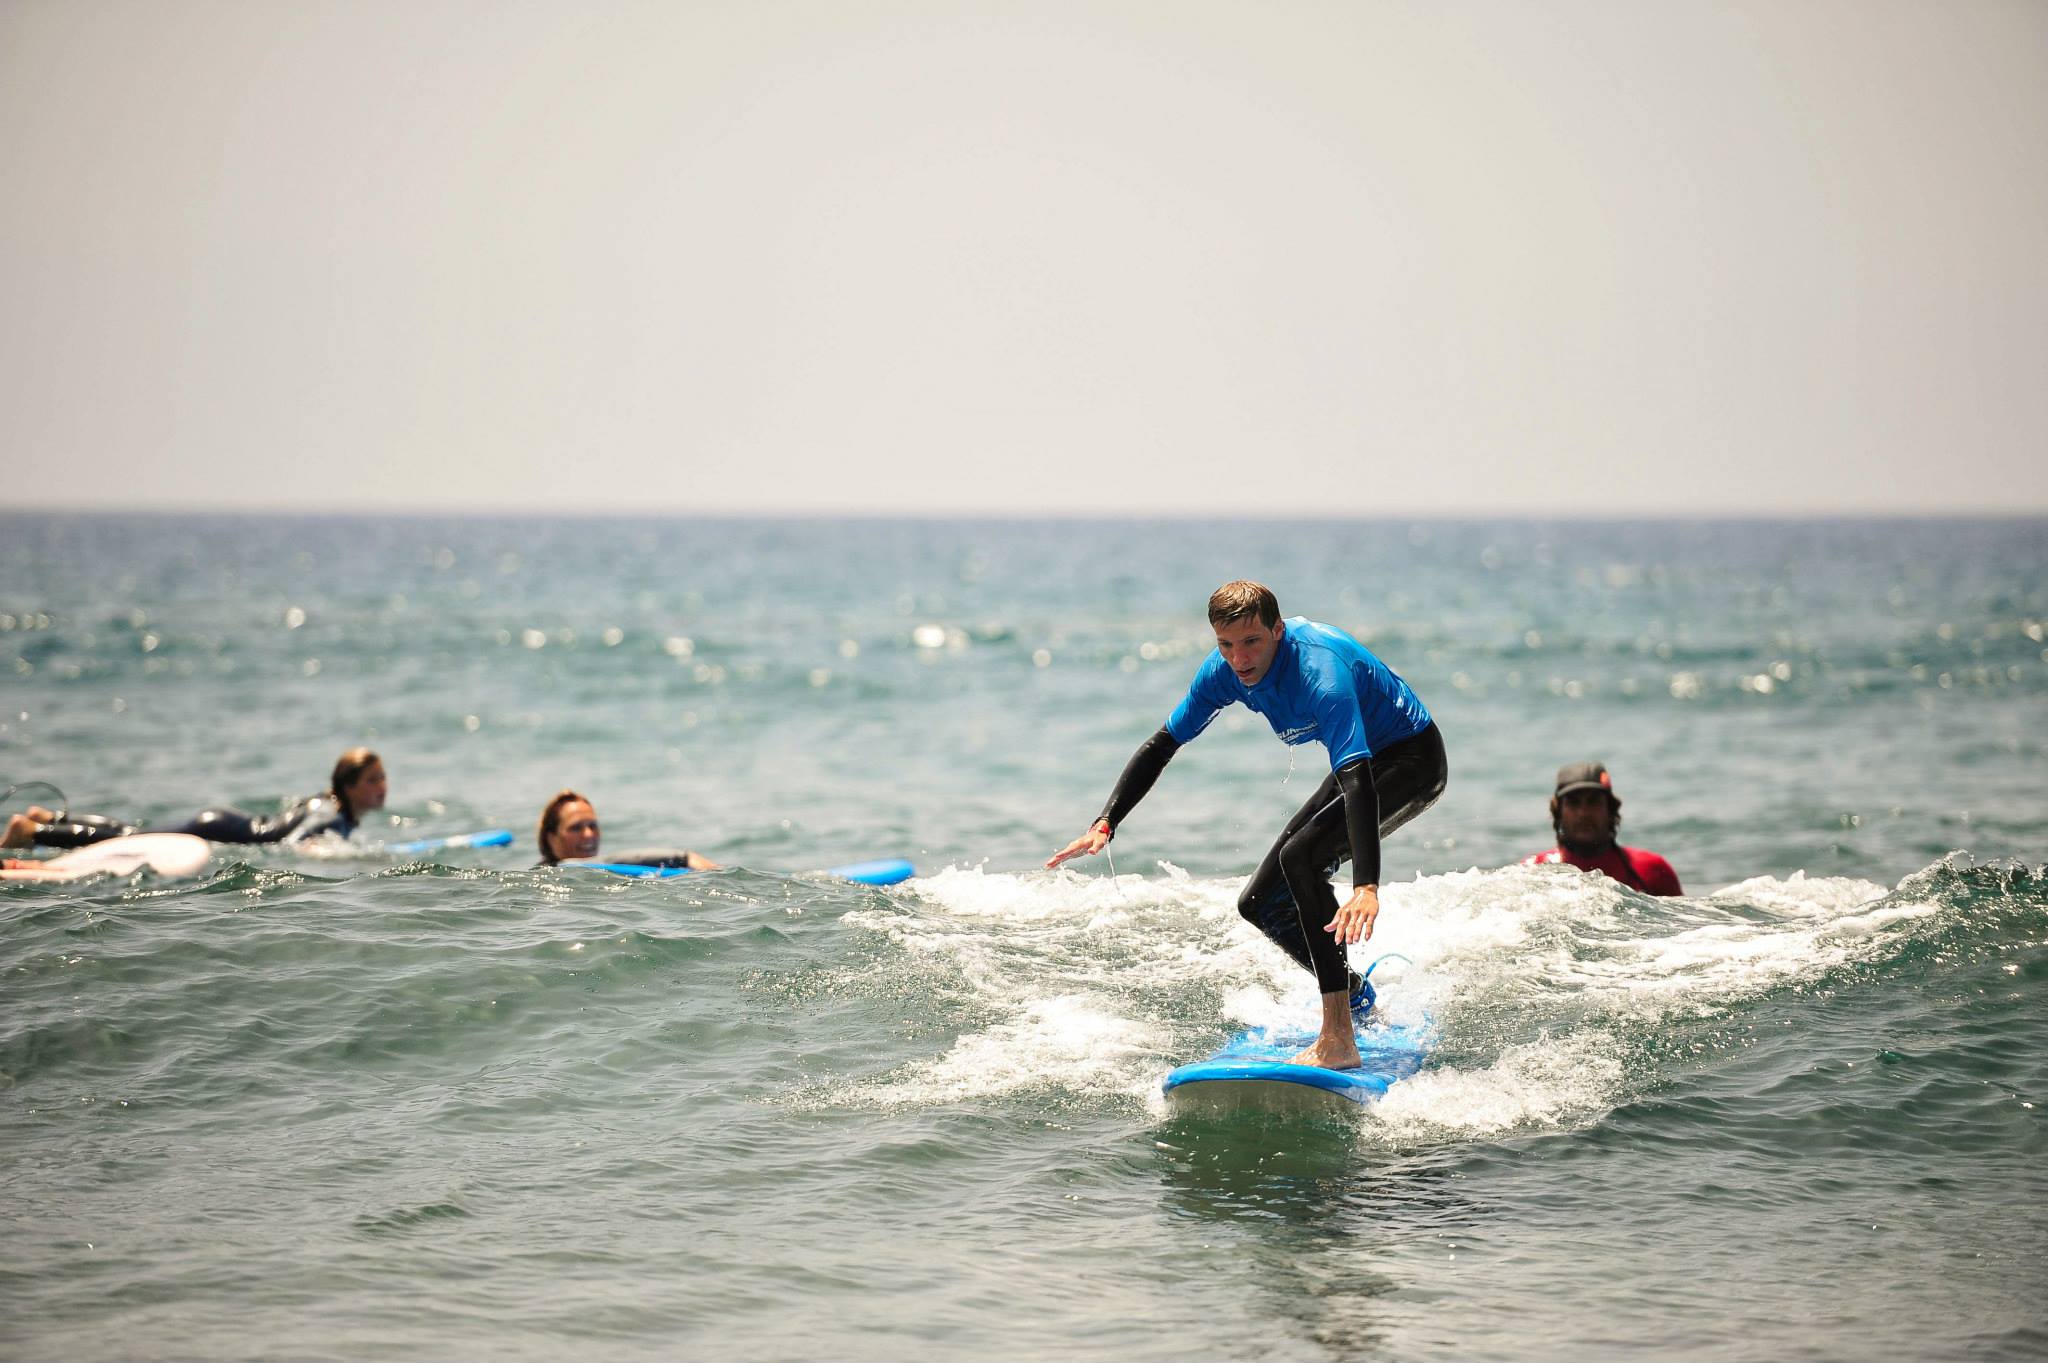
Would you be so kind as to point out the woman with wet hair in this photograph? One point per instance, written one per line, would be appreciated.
(356, 787)
(568, 831)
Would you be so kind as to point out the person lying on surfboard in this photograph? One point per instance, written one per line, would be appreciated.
(1387, 765)
(356, 787)
(568, 832)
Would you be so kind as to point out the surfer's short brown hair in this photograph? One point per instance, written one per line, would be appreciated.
(1235, 600)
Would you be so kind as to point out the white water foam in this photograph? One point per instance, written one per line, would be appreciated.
(1547, 933)
(1066, 1041)
(1095, 985)
(1548, 1082)
(1060, 963)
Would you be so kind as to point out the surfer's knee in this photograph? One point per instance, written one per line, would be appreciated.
(1304, 864)
(1250, 901)
(1262, 898)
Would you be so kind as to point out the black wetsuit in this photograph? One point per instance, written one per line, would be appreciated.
(1289, 898)
(309, 817)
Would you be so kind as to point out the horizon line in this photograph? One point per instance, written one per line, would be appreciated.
(1597, 516)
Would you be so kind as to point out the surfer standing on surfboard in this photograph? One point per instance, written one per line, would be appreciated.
(1311, 682)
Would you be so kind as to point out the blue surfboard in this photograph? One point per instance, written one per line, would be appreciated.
(1252, 1074)
(625, 868)
(494, 837)
(885, 872)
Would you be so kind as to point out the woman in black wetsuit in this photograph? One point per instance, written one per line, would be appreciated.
(568, 832)
(356, 787)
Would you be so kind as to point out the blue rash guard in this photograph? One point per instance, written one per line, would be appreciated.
(1322, 685)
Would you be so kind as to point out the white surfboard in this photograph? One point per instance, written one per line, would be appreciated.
(172, 855)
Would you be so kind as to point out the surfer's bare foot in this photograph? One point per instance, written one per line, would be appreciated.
(1329, 1058)
(1336, 1048)
(21, 830)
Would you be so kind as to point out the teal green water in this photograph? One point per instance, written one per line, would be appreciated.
(348, 1106)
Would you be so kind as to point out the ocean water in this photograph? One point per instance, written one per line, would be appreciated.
(336, 1104)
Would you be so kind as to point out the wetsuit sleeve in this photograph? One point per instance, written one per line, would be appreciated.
(649, 856)
(1139, 774)
(1361, 820)
(309, 818)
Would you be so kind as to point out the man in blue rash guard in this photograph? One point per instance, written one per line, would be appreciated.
(1387, 765)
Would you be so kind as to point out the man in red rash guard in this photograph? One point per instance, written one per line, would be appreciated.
(1585, 811)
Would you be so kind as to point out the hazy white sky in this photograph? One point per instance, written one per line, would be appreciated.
(826, 255)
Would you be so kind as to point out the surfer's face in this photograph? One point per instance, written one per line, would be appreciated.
(1248, 647)
(367, 792)
(1585, 817)
(575, 834)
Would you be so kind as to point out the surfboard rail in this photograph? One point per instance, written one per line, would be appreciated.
(1254, 1071)
(490, 837)
(888, 871)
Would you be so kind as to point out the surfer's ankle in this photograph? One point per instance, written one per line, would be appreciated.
(1362, 997)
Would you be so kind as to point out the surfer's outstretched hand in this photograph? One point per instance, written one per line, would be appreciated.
(1088, 844)
(1354, 921)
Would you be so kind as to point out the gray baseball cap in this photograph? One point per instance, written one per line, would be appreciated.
(1583, 776)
